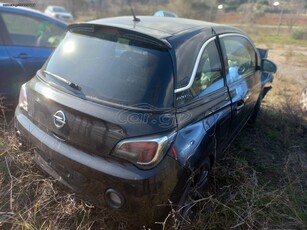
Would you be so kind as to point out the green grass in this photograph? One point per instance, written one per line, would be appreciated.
(276, 39)
(268, 35)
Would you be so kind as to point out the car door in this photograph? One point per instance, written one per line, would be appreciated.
(5, 66)
(28, 42)
(207, 113)
(242, 77)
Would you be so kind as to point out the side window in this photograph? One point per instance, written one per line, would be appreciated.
(240, 58)
(209, 76)
(28, 31)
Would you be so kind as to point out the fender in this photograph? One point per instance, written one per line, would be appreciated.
(196, 142)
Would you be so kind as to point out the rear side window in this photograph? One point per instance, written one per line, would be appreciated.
(114, 69)
(209, 76)
(240, 58)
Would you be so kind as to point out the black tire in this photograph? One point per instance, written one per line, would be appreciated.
(193, 191)
(256, 111)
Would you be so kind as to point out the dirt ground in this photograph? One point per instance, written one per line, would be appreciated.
(296, 67)
(291, 77)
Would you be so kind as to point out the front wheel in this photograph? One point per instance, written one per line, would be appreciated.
(257, 108)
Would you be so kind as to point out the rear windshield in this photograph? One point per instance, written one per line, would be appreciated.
(114, 69)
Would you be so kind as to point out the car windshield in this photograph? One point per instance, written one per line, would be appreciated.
(114, 69)
(59, 9)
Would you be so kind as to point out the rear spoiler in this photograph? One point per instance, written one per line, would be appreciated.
(95, 30)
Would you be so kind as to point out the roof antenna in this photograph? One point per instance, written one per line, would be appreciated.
(135, 19)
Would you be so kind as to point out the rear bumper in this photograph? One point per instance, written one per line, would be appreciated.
(144, 191)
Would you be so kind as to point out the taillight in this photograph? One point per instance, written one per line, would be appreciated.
(140, 152)
(23, 100)
(144, 152)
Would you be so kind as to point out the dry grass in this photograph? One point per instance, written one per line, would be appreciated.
(261, 182)
(33, 200)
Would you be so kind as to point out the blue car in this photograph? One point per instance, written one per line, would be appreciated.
(27, 38)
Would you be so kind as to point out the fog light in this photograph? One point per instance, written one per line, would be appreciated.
(114, 199)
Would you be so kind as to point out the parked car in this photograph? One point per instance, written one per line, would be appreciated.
(27, 38)
(59, 12)
(132, 113)
(164, 13)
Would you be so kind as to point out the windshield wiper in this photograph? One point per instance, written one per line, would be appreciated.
(69, 83)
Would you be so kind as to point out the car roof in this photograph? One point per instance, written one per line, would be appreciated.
(161, 27)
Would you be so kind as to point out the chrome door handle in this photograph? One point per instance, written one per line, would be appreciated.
(240, 105)
(23, 56)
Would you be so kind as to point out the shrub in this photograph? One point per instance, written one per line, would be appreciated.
(299, 34)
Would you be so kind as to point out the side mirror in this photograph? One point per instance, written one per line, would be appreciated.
(268, 66)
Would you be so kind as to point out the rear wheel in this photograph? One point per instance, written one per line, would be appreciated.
(189, 201)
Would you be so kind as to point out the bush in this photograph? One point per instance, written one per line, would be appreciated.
(299, 34)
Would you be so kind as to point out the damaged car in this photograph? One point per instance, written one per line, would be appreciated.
(133, 112)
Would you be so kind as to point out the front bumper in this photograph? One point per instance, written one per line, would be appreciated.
(144, 191)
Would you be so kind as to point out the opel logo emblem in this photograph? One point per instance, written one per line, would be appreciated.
(59, 119)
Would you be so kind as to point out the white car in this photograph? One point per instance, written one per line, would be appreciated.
(164, 13)
(59, 12)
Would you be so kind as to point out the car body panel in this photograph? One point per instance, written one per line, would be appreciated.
(244, 95)
(19, 63)
(7, 66)
(212, 114)
(25, 61)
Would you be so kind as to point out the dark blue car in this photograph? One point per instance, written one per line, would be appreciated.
(133, 112)
(27, 38)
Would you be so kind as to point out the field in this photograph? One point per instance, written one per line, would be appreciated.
(260, 183)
